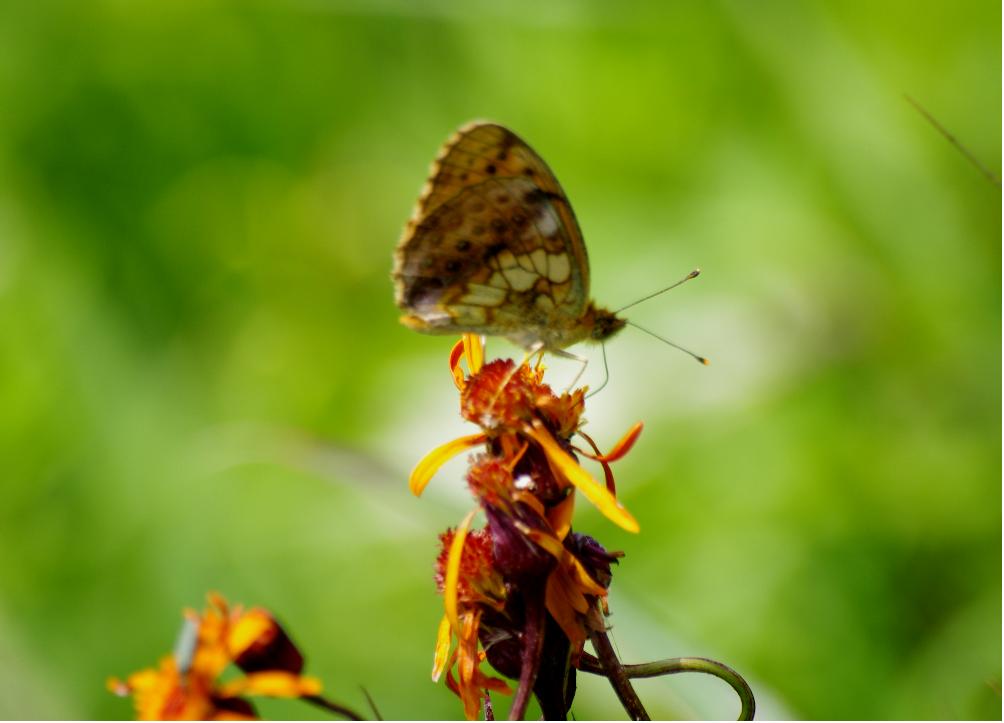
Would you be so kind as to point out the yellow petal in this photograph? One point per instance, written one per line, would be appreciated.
(248, 629)
(273, 683)
(442, 653)
(474, 349)
(593, 491)
(435, 459)
(452, 577)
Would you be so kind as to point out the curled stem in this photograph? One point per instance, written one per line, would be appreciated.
(608, 665)
(669, 666)
(332, 707)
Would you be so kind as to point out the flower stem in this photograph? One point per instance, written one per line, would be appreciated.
(533, 642)
(332, 707)
(669, 666)
(611, 667)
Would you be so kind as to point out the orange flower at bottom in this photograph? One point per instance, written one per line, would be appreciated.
(186, 687)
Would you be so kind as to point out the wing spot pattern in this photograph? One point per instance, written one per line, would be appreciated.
(558, 268)
(539, 259)
(481, 295)
(519, 279)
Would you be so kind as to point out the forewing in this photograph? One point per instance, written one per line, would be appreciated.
(476, 155)
(494, 258)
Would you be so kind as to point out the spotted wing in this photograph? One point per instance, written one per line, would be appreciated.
(493, 245)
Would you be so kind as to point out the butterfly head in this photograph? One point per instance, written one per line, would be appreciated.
(604, 324)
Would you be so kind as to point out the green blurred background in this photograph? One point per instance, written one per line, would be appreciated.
(203, 384)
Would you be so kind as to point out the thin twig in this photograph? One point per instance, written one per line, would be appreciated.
(373, 705)
(669, 666)
(987, 173)
(487, 707)
(331, 707)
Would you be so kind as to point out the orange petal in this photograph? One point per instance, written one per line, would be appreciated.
(562, 610)
(620, 449)
(217, 601)
(435, 459)
(452, 577)
(118, 687)
(455, 370)
(273, 683)
(593, 491)
(530, 500)
(491, 683)
(560, 517)
(624, 445)
(569, 563)
(442, 652)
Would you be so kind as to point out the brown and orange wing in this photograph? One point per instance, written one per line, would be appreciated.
(493, 243)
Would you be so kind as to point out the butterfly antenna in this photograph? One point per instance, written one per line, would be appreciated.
(664, 340)
(692, 275)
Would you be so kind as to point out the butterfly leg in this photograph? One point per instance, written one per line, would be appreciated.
(606, 372)
(574, 357)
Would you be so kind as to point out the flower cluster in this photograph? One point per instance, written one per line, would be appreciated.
(524, 592)
(187, 685)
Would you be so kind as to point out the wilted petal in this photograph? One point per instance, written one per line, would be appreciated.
(441, 656)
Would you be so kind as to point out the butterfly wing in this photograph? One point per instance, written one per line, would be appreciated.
(493, 244)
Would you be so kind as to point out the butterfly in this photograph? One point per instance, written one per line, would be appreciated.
(493, 248)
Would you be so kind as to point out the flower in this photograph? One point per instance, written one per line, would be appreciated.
(466, 565)
(186, 685)
(512, 405)
(525, 586)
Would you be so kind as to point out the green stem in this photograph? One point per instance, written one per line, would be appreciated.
(669, 666)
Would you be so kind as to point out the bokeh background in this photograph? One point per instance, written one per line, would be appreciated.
(203, 385)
